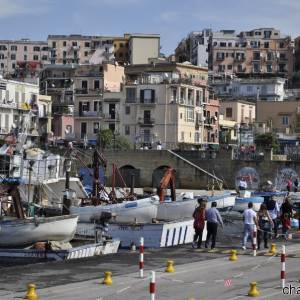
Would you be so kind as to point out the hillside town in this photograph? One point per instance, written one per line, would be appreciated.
(219, 88)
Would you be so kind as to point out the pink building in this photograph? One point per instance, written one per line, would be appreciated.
(211, 122)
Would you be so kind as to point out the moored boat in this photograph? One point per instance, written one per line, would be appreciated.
(241, 203)
(22, 232)
(136, 211)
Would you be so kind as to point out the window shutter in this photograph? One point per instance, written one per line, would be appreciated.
(152, 96)
(88, 106)
(142, 96)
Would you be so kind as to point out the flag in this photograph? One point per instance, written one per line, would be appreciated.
(227, 282)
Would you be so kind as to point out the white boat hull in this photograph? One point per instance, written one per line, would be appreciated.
(184, 208)
(15, 233)
(156, 235)
(138, 211)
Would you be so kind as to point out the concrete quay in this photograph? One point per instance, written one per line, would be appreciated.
(199, 274)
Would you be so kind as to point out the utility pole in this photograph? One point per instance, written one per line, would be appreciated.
(66, 198)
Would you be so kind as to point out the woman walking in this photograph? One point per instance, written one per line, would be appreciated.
(286, 211)
(265, 224)
(199, 222)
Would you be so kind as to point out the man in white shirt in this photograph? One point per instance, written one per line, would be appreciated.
(243, 184)
(250, 219)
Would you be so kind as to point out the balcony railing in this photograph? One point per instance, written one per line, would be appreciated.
(111, 117)
(89, 114)
(146, 121)
(148, 101)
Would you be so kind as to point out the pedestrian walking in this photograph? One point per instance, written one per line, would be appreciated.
(265, 225)
(286, 225)
(213, 219)
(250, 219)
(296, 184)
(199, 222)
(286, 210)
(273, 209)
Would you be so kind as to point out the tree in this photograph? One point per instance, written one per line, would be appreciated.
(106, 137)
(266, 140)
(109, 140)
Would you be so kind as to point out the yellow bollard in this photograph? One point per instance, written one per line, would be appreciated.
(31, 292)
(233, 256)
(273, 249)
(170, 266)
(253, 292)
(107, 278)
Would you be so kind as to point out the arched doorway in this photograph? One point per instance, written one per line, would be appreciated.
(126, 172)
(157, 175)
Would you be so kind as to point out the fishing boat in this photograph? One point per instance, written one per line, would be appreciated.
(186, 203)
(135, 211)
(23, 232)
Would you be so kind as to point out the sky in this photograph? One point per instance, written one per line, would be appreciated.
(172, 19)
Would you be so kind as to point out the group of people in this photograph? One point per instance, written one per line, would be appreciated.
(213, 219)
(267, 219)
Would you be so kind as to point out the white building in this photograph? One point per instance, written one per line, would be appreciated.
(18, 108)
(271, 89)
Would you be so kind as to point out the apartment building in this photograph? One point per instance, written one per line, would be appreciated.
(194, 48)
(121, 49)
(23, 58)
(297, 53)
(239, 111)
(23, 110)
(258, 51)
(57, 81)
(164, 104)
(79, 49)
(253, 89)
(279, 117)
(98, 91)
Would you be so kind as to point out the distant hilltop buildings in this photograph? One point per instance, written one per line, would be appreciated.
(218, 87)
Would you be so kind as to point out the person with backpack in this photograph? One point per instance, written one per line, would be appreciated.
(199, 222)
(273, 209)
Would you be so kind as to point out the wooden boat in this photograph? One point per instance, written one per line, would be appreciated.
(136, 211)
(22, 232)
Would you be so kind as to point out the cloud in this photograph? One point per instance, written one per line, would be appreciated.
(11, 8)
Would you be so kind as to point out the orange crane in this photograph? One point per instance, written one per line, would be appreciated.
(168, 181)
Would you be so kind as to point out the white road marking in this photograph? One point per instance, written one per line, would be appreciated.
(122, 290)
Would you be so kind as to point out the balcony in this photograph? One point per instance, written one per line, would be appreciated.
(145, 122)
(82, 91)
(113, 117)
(148, 101)
(89, 114)
(239, 59)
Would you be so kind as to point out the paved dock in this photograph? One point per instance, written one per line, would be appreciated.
(199, 274)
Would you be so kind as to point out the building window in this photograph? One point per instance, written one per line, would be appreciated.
(87, 45)
(285, 120)
(197, 137)
(53, 44)
(25, 57)
(96, 127)
(127, 130)
(13, 48)
(198, 97)
(190, 115)
(229, 67)
(121, 45)
(181, 116)
(228, 112)
(182, 136)
(96, 84)
(127, 110)
(13, 56)
(1, 56)
(85, 106)
(84, 84)
(64, 43)
(86, 53)
(44, 57)
(182, 95)
(256, 68)
(74, 44)
(190, 97)
(36, 49)
(266, 44)
(35, 57)
(256, 55)
(147, 96)
(282, 68)
(13, 65)
(96, 105)
(131, 95)
(281, 45)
